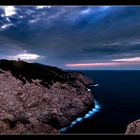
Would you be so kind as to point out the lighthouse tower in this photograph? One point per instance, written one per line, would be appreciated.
(18, 59)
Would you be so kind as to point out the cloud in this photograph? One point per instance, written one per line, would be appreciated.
(34, 20)
(5, 26)
(9, 10)
(41, 7)
(95, 36)
(132, 59)
(104, 64)
(92, 64)
(24, 56)
(87, 11)
(113, 62)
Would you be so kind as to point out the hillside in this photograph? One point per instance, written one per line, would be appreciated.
(36, 98)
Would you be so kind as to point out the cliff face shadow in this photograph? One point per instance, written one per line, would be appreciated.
(30, 71)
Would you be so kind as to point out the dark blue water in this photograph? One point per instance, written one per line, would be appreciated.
(118, 94)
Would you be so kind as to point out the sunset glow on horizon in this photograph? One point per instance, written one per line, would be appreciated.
(114, 62)
(92, 64)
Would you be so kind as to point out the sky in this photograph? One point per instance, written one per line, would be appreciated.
(72, 37)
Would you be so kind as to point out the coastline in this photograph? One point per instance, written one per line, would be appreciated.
(44, 97)
(88, 114)
(94, 108)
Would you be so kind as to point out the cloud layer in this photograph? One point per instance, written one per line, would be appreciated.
(64, 36)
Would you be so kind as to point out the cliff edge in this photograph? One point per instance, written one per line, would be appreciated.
(36, 98)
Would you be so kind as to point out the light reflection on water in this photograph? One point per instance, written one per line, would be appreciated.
(86, 116)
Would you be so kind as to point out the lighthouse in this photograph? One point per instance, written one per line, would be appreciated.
(18, 59)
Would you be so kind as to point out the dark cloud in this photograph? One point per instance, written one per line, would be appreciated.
(71, 34)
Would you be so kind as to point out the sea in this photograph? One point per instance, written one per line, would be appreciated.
(117, 96)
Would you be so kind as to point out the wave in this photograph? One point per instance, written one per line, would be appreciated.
(89, 114)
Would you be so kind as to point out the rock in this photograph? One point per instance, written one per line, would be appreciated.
(31, 126)
(133, 128)
(81, 77)
(40, 99)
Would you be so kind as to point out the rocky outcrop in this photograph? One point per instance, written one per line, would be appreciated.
(133, 128)
(25, 126)
(40, 99)
(81, 77)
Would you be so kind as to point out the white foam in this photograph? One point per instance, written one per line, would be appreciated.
(88, 89)
(96, 85)
(86, 116)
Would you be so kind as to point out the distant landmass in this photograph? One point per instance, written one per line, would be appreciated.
(36, 98)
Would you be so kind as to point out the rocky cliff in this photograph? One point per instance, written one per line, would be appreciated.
(35, 98)
(133, 128)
